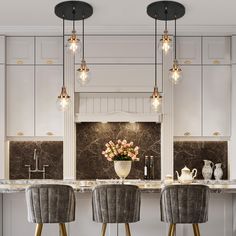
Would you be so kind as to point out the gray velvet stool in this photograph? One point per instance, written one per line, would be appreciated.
(50, 203)
(184, 204)
(116, 203)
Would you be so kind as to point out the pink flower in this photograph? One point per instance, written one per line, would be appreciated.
(107, 145)
(131, 144)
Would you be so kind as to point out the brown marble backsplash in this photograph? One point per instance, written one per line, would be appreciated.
(192, 155)
(50, 153)
(91, 139)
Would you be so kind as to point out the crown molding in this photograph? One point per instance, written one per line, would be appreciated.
(181, 30)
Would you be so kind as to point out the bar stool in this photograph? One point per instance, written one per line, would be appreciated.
(116, 203)
(50, 203)
(184, 204)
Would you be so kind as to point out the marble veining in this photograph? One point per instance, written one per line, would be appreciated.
(91, 139)
(50, 153)
(192, 155)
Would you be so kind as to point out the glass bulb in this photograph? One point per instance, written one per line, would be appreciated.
(83, 73)
(165, 42)
(156, 100)
(175, 73)
(63, 100)
(73, 43)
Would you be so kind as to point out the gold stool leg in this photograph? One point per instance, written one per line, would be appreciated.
(104, 227)
(196, 230)
(38, 229)
(127, 229)
(172, 229)
(63, 229)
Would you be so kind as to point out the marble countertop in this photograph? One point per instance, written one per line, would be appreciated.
(146, 186)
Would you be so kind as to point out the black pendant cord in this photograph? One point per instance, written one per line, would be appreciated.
(166, 19)
(155, 52)
(175, 38)
(63, 52)
(73, 12)
(83, 39)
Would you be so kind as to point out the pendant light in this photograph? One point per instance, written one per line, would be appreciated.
(63, 100)
(156, 98)
(83, 72)
(165, 41)
(175, 71)
(73, 11)
(73, 41)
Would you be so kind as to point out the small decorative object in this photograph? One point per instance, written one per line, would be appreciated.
(168, 180)
(122, 153)
(218, 172)
(207, 169)
(187, 176)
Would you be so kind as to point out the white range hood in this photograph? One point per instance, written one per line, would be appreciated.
(114, 107)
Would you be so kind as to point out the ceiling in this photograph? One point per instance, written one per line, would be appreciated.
(117, 16)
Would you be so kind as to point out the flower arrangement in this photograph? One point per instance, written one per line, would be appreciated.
(121, 151)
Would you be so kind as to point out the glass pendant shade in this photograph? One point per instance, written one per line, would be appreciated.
(73, 43)
(165, 42)
(63, 100)
(156, 100)
(175, 73)
(83, 73)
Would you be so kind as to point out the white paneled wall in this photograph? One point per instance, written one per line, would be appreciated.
(114, 107)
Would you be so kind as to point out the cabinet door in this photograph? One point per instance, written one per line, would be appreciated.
(49, 120)
(187, 103)
(2, 49)
(48, 50)
(120, 78)
(119, 49)
(20, 100)
(20, 50)
(216, 100)
(216, 50)
(189, 50)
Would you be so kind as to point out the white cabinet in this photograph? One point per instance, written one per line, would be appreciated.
(216, 100)
(119, 49)
(15, 217)
(48, 50)
(216, 50)
(120, 78)
(20, 50)
(189, 50)
(20, 100)
(2, 49)
(48, 120)
(187, 103)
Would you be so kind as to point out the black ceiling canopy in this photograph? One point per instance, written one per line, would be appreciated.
(73, 10)
(165, 10)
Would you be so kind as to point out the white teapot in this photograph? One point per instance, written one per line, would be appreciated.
(187, 176)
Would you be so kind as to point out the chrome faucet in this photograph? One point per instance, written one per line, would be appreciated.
(37, 170)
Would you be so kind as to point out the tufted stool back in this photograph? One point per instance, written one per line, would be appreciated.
(50, 203)
(116, 203)
(185, 204)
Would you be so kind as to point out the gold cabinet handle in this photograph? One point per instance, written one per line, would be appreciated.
(19, 133)
(49, 133)
(216, 62)
(216, 133)
(187, 62)
(49, 61)
(19, 62)
(187, 134)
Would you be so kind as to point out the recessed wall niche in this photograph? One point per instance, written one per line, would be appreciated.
(92, 137)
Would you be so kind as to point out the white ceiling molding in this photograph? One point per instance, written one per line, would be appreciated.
(182, 30)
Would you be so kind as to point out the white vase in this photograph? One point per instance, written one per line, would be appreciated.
(122, 168)
(218, 172)
(207, 169)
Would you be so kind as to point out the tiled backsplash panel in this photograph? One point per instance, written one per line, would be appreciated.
(192, 155)
(50, 153)
(91, 139)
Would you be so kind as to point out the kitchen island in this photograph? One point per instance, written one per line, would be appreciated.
(13, 219)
